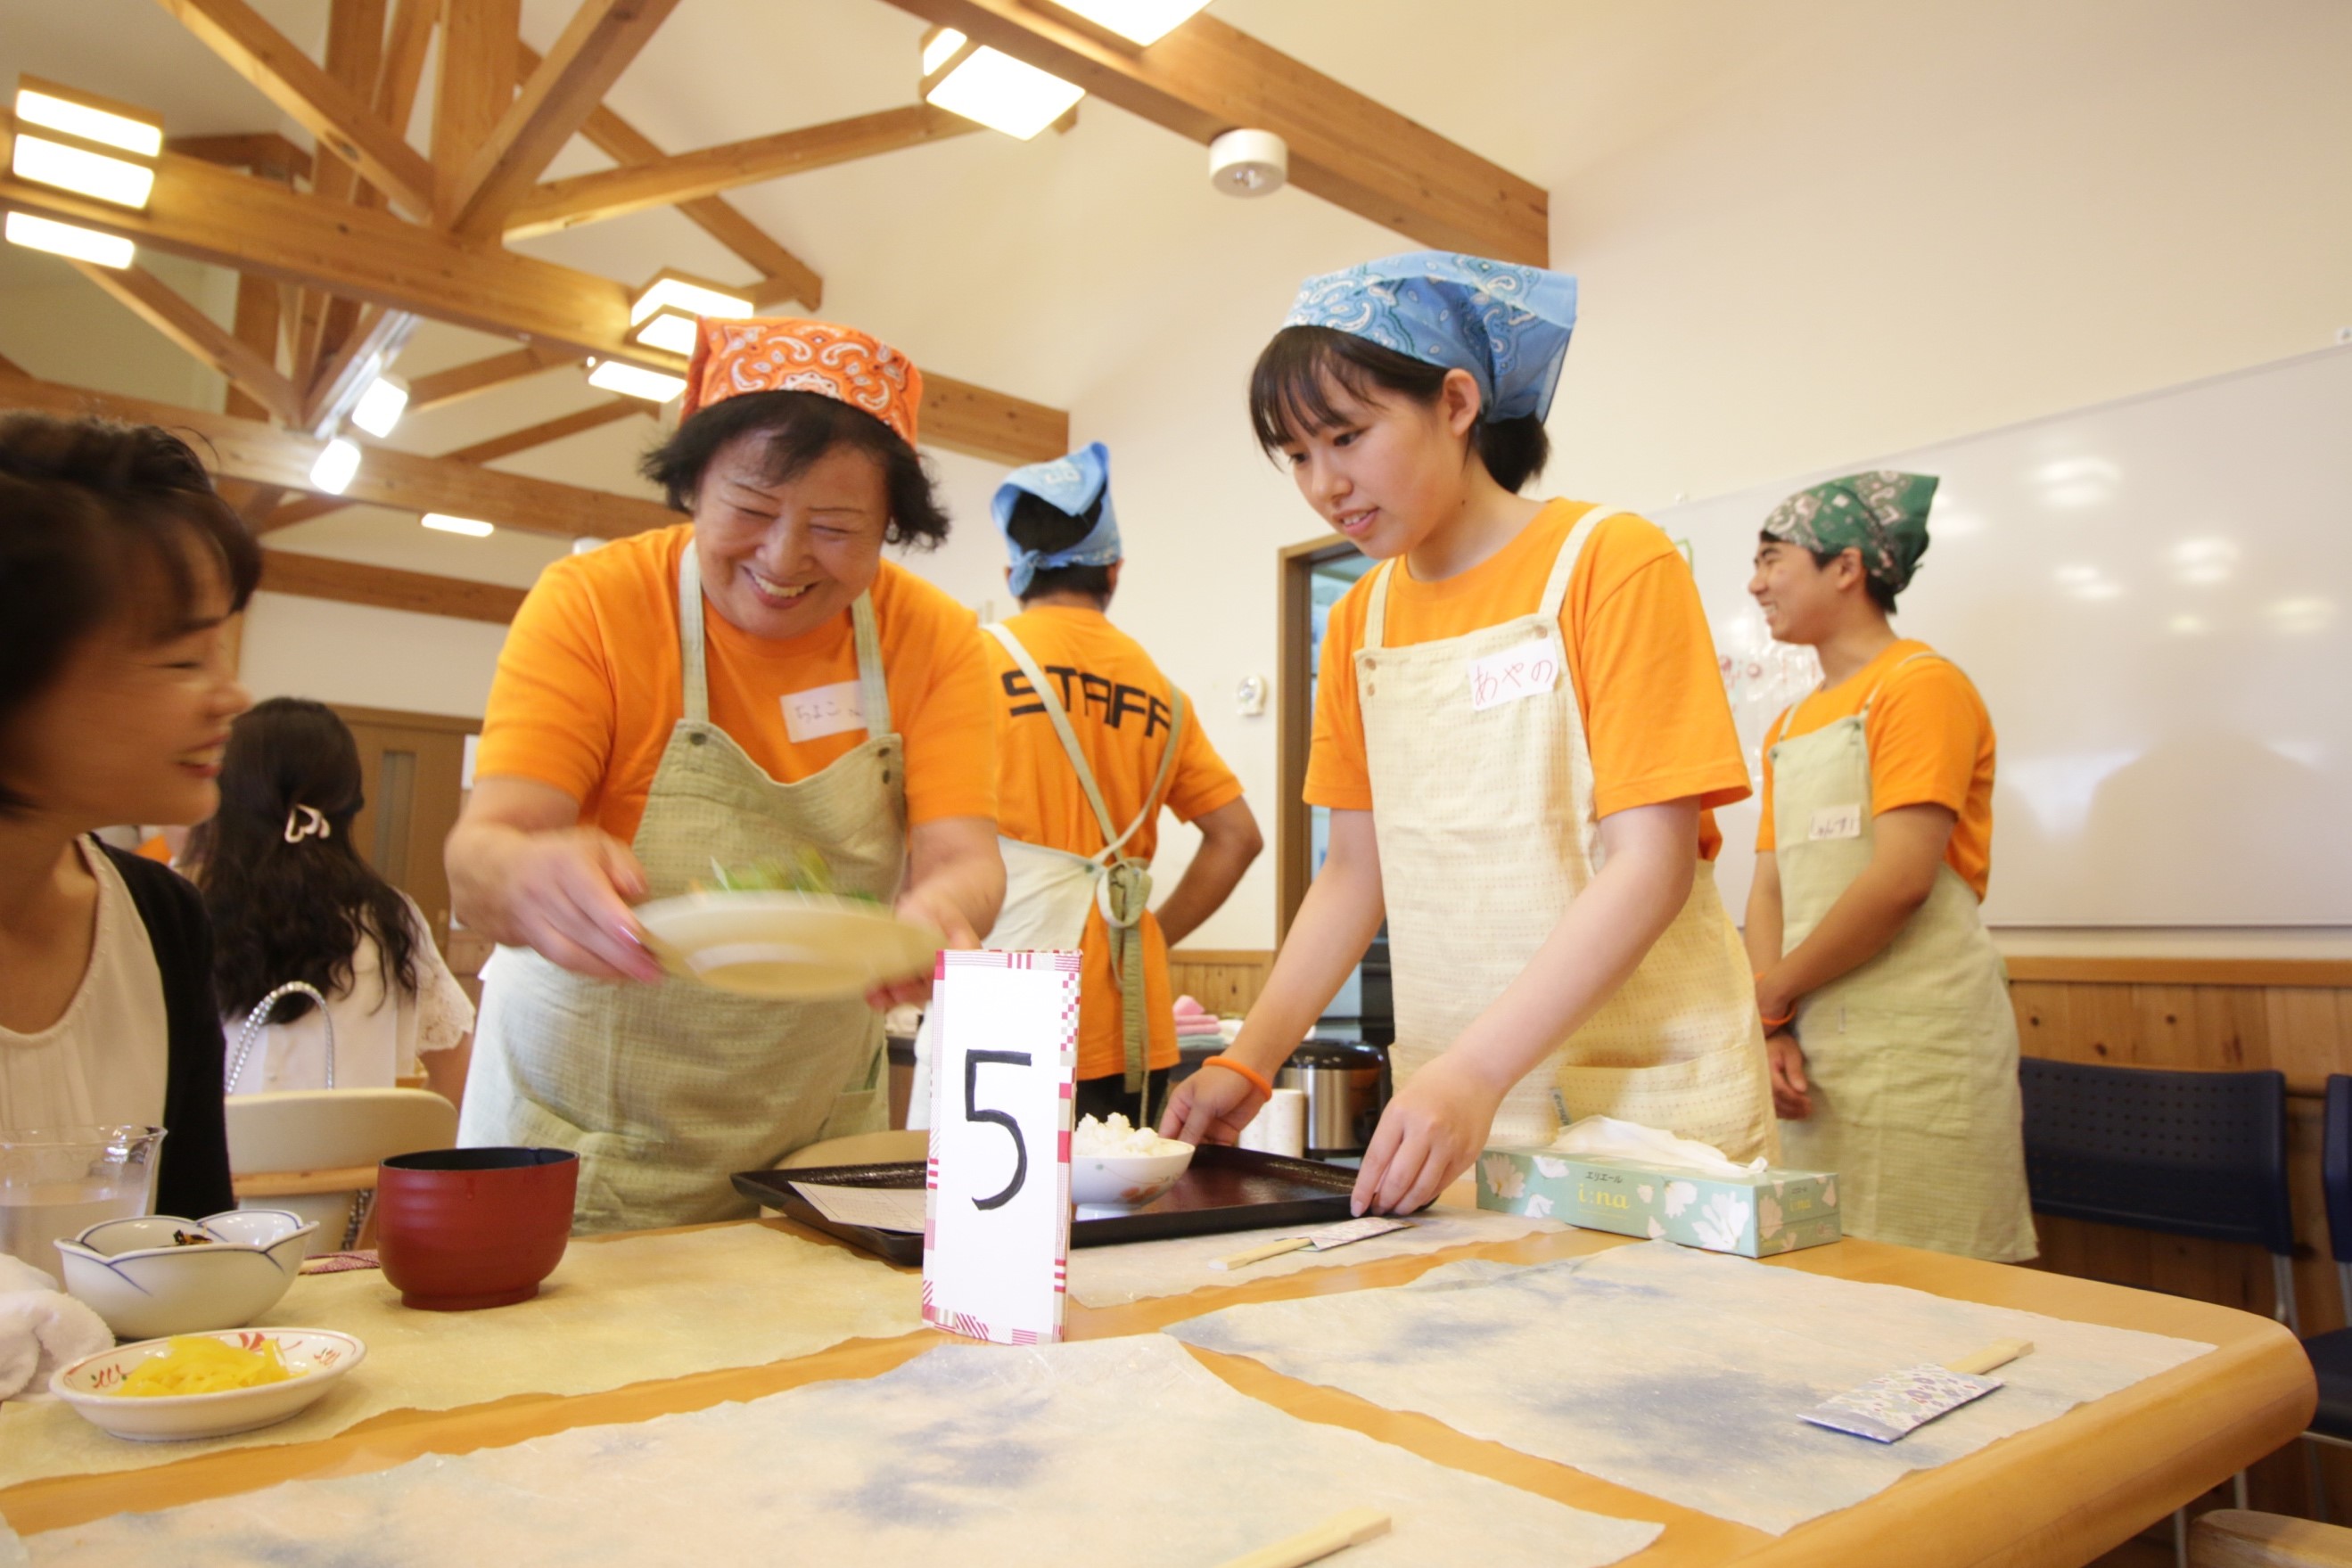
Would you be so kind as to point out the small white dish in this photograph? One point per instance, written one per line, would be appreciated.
(1125, 1181)
(317, 1356)
(132, 1274)
(797, 945)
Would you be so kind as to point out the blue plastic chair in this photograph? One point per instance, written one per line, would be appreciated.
(2186, 1154)
(2331, 1353)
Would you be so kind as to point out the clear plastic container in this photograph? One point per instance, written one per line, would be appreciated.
(56, 1182)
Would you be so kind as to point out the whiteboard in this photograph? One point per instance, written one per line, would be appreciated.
(2155, 598)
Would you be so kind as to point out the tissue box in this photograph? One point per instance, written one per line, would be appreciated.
(1758, 1215)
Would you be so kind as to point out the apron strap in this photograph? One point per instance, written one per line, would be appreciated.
(874, 691)
(689, 635)
(1376, 608)
(1571, 550)
(1112, 837)
(1873, 697)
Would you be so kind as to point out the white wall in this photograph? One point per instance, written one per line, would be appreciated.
(357, 654)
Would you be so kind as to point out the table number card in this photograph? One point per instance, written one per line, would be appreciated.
(996, 1232)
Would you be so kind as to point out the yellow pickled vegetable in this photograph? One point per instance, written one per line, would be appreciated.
(194, 1364)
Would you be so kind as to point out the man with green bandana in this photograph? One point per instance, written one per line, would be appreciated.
(1893, 1047)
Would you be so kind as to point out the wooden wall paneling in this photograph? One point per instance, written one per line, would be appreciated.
(1226, 982)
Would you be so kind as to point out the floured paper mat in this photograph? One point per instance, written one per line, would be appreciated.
(1119, 1452)
(1138, 1270)
(1681, 1373)
(630, 1310)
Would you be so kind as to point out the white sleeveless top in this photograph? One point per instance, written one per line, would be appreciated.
(105, 1060)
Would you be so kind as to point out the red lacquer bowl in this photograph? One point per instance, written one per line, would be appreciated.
(461, 1228)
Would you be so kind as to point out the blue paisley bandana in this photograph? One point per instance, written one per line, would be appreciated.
(1071, 484)
(1507, 325)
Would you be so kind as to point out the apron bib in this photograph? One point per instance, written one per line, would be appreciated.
(667, 1089)
(1486, 834)
(1912, 1056)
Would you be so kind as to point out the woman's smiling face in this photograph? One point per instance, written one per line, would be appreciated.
(1387, 471)
(780, 558)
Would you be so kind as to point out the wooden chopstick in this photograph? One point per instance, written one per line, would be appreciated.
(1336, 1533)
(1258, 1254)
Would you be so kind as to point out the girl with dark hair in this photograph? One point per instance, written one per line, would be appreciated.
(1519, 730)
(758, 685)
(290, 899)
(119, 569)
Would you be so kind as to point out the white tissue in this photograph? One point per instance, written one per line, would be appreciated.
(1649, 1146)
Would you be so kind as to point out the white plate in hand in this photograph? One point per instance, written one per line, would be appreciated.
(801, 946)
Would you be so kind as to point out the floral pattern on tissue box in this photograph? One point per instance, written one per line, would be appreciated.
(1758, 1215)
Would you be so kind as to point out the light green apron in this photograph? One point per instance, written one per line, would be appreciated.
(1048, 891)
(1911, 1056)
(667, 1089)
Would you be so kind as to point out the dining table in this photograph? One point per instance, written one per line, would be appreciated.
(2053, 1496)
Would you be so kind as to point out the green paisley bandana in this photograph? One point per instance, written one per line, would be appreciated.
(1883, 514)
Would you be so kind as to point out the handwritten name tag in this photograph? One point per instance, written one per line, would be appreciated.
(1837, 822)
(821, 711)
(1528, 670)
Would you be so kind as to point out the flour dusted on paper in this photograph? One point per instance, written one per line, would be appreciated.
(1095, 1137)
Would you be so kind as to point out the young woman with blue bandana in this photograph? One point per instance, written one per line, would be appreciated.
(1092, 741)
(1521, 731)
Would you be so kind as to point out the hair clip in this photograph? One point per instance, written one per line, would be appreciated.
(307, 822)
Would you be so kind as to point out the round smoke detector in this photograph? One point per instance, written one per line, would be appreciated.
(1249, 162)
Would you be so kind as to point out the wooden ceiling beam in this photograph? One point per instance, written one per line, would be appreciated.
(324, 324)
(209, 213)
(440, 388)
(257, 326)
(343, 120)
(388, 588)
(592, 417)
(601, 38)
(264, 153)
(170, 312)
(477, 87)
(369, 350)
(404, 62)
(786, 276)
(246, 449)
(685, 176)
(1207, 78)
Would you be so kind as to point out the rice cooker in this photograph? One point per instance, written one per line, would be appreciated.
(1347, 1083)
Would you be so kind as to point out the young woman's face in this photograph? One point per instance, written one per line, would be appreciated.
(132, 729)
(1799, 596)
(1390, 471)
(781, 560)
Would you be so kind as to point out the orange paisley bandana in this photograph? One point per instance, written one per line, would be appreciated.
(788, 353)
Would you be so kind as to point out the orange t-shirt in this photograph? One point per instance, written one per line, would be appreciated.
(591, 683)
(1931, 744)
(1639, 655)
(1117, 703)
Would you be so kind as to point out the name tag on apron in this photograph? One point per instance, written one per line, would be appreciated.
(1837, 822)
(1528, 670)
(821, 711)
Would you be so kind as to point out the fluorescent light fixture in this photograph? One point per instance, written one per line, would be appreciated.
(1141, 21)
(88, 117)
(472, 528)
(674, 290)
(336, 466)
(635, 380)
(993, 88)
(939, 49)
(381, 406)
(80, 171)
(69, 239)
(670, 330)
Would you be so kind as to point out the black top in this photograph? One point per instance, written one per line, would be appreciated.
(192, 1178)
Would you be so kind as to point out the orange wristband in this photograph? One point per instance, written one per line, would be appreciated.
(1783, 1021)
(1256, 1078)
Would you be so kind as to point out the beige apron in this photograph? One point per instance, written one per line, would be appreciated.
(1912, 1055)
(667, 1089)
(1486, 834)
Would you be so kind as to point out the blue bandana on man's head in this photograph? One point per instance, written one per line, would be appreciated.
(1071, 484)
(1507, 325)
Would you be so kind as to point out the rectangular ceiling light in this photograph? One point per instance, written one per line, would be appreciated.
(337, 464)
(81, 170)
(670, 330)
(1142, 21)
(69, 239)
(665, 312)
(635, 380)
(89, 116)
(381, 406)
(472, 528)
(993, 88)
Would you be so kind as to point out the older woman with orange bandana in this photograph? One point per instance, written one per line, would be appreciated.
(756, 681)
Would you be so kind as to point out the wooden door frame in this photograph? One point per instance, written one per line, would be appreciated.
(1293, 839)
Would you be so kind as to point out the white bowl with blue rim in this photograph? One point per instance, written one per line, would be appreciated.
(158, 1274)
